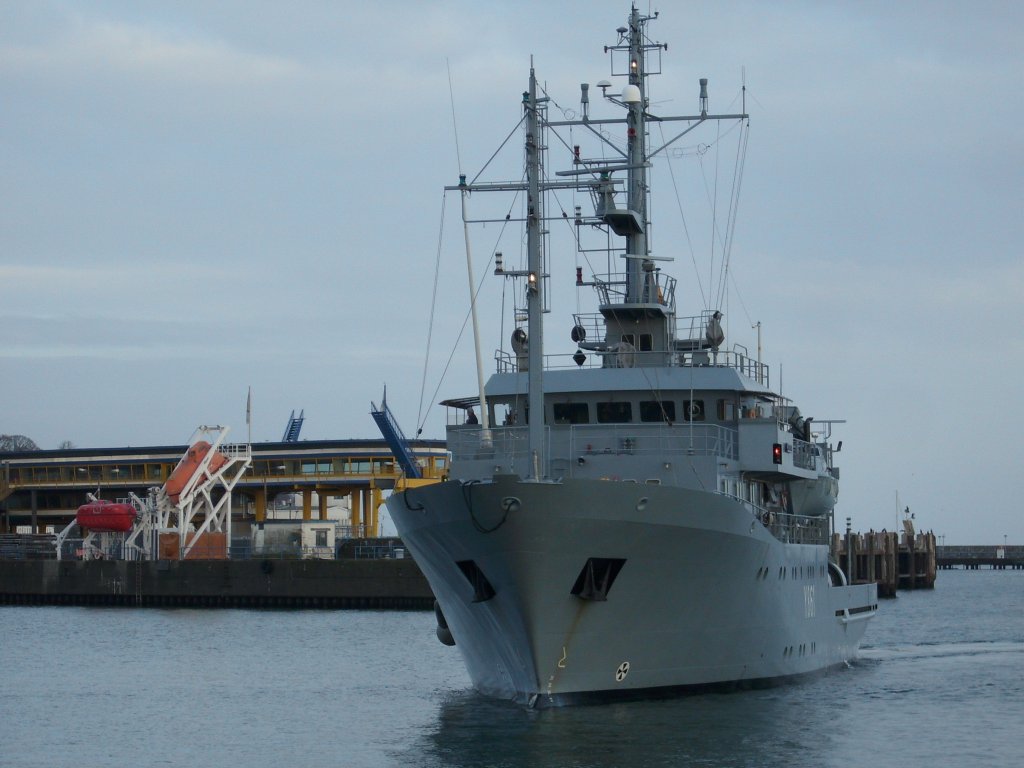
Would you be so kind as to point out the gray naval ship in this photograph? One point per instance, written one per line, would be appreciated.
(646, 516)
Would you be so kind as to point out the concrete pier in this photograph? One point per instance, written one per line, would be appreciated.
(394, 583)
(981, 556)
(210, 583)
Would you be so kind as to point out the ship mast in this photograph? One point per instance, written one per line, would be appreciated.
(636, 242)
(642, 305)
(534, 281)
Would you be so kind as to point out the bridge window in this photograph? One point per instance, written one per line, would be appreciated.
(657, 410)
(646, 341)
(614, 413)
(693, 410)
(571, 413)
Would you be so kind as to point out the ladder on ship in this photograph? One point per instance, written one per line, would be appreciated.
(394, 437)
(291, 432)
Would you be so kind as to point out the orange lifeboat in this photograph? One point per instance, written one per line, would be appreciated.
(106, 516)
(188, 465)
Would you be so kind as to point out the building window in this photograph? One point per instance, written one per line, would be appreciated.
(657, 410)
(571, 413)
(321, 538)
(615, 413)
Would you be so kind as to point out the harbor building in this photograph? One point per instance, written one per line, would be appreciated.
(339, 480)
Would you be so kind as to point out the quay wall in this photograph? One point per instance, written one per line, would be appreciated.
(257, 583)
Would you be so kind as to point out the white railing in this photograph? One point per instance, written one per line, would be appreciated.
(508, 362)
(654, 440)
(506, 443)
(791, 529)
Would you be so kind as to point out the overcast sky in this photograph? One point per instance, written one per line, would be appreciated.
(200, 197)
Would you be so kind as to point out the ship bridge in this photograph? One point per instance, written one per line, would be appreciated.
(45, 488)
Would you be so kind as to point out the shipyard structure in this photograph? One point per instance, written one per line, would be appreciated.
(341, 481)
(212, 522)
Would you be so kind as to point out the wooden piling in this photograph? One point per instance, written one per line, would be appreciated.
(880, 557)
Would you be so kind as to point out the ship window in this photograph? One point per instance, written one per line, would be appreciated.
(630, 339)
(654, 410)
(571, 413)
(693, 410)
(646, 342)
(614, 413)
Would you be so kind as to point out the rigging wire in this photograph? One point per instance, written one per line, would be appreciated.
(500, 147)
(714, 211)
(420, 416)
(465, 320)
(734, 201)
(736, 290)
(686, 229)
(455, 124)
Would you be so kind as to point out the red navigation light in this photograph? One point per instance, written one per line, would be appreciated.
(777, 453)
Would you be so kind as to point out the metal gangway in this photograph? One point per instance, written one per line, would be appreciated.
(394, 437)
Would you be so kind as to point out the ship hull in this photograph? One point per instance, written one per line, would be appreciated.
(703, 596)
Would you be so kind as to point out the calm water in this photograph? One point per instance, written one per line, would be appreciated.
(941, 682)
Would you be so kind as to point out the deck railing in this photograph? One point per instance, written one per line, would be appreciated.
(507, 362)
(791, 529)
(654, 440)
(507, 443)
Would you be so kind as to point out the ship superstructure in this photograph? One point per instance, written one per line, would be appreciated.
(664, 523)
